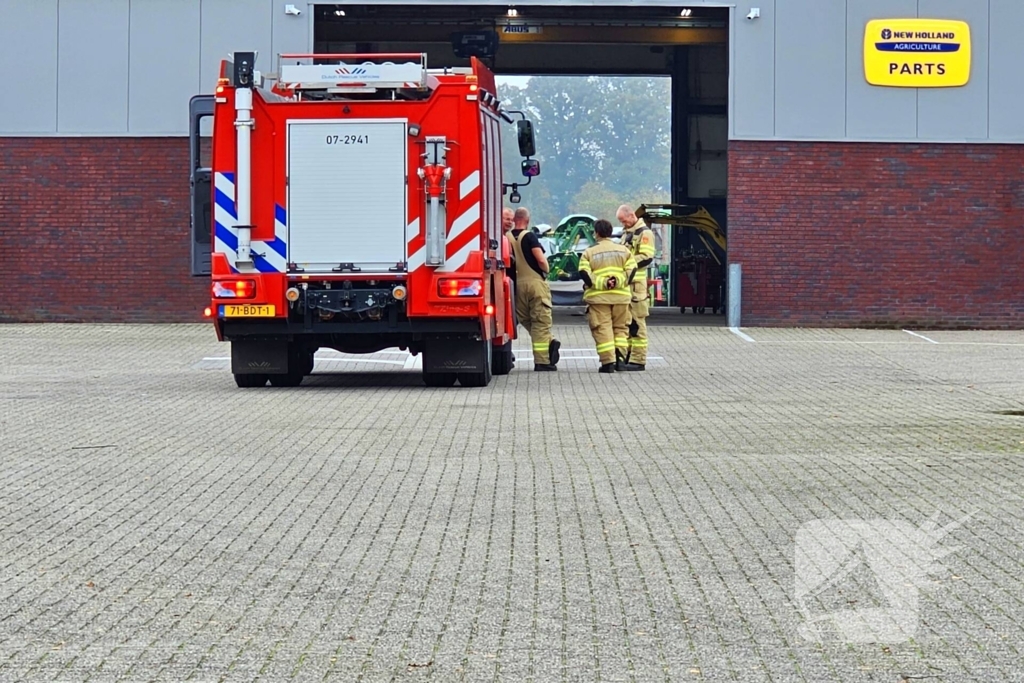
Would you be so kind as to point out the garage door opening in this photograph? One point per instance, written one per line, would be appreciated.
(607, 141)
(630, 106)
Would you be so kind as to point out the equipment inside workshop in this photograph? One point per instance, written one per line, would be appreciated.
(688, 47)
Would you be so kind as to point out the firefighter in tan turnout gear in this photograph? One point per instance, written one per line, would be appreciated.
(639, 239)
(607, 270)
(533, 294)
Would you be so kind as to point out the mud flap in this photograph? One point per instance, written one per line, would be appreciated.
(456, 355)
(266, 355)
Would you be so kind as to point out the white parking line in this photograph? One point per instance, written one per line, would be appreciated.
(565, 358)
(528, 349)
(921, 336)
(835, 341)
(339, 360)
(360, 360)
(741, 334)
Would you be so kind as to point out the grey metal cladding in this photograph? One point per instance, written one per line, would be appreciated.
(1006, 71)
(958, 114)
(28, 51)
(753, 66)
(873, 112)
(92, 77)
(163, 65)
(810, 75)
(237, 26)
(291, 34)
(128, 67)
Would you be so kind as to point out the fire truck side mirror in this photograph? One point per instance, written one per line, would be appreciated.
(531, 168)
(527, 144)
(244, 65)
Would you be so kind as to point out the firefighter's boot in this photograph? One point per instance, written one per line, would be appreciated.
(607, 368)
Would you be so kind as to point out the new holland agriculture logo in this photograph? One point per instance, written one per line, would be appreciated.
(917, 53)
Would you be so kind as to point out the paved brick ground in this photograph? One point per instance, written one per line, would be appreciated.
(156, 523)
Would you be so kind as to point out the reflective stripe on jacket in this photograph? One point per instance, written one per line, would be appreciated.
(609, 265)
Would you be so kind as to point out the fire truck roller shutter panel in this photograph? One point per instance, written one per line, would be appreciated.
(347, 193)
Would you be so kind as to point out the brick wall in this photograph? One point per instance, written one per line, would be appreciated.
(845, 234)
(96, 229)
(853, 234)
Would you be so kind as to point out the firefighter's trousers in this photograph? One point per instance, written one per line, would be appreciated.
(609, 324)
(533, 308)
(639, 310)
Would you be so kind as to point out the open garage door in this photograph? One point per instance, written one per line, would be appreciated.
(689, 48)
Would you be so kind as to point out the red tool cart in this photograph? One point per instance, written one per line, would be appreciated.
(699, 249)
(700, 283)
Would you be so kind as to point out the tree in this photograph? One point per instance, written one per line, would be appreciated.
(596, 200)
(600, 140)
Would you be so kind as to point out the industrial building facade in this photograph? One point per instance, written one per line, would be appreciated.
(865, 185)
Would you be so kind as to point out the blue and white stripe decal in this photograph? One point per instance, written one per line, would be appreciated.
(268, 257)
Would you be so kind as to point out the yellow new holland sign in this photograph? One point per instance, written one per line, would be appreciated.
(917, 53)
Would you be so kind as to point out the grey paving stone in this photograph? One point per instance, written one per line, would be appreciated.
(157, 523)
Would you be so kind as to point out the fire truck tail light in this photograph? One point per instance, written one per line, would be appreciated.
(459, 287)
(234, 289)
(489, 309)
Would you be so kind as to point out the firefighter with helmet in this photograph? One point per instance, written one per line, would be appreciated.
(640, 240)
(607, 270)
(533, 294)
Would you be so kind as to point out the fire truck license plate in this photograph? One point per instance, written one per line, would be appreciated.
(247, 311)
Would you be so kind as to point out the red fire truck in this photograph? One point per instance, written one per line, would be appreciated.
(357, 206)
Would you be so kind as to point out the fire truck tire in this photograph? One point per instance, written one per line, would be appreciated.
(250, 381)
(503, 359)
(479, 379)
(439, 379)
(291, 379)
(307, 362)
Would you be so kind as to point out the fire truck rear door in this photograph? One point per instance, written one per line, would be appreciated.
(347, 193)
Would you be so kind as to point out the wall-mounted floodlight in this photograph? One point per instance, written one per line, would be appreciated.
(685, 12)
(339, 12)
(512, 12)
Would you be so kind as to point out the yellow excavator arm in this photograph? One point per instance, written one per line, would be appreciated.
(699, 220)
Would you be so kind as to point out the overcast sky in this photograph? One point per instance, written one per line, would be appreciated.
(518, 81)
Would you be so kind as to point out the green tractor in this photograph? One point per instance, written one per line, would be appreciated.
(566, 243)
(564, 246)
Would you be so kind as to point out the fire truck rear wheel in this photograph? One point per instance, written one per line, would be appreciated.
(503, 359)
(479, 379)
(291, 379)
(307, 362)
(439, 379)
(251, 381)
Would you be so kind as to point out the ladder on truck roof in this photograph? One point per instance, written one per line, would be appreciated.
(344, 74)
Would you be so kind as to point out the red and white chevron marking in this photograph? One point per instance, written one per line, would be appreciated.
(463, 235)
